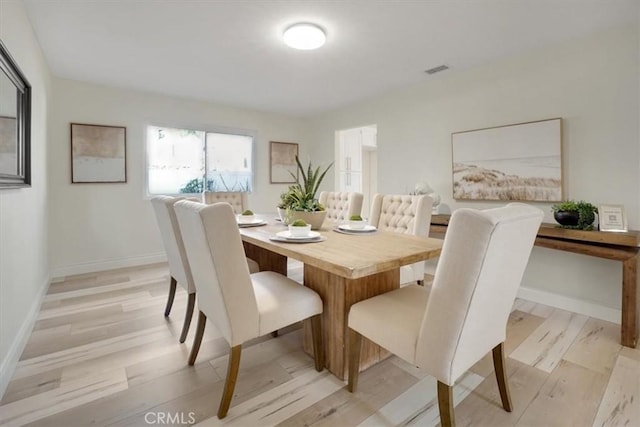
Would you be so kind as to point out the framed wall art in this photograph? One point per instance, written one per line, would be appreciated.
(612, 218)
(513, 162)
(98, 153)
(282, 162)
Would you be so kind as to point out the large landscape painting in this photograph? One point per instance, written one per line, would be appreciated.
(513, 162)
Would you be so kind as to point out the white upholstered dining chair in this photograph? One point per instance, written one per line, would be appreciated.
(448, 328)
(403, 214)
(341, 205)
(237, 200)
(243, 306)
(179, 268)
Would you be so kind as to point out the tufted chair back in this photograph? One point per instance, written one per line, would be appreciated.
(237, 200)
(340, 206)
(403, 214)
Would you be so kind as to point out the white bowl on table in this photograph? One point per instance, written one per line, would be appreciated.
(357, 225)
(299, 231)
(246, 219)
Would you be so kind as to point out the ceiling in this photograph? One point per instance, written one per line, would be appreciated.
(231, 52)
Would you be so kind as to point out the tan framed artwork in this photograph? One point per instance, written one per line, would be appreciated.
(98, 153)
(521, 161)
(282, 162)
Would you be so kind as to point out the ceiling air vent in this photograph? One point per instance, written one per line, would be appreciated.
(436, 69)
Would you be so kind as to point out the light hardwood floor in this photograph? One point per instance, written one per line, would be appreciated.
(102, 353)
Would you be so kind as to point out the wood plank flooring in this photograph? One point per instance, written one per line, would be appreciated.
(103, 354)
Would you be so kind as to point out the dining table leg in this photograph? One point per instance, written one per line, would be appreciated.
(338, 294)
(267, 260)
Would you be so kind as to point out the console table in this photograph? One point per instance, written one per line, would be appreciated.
(623, 247)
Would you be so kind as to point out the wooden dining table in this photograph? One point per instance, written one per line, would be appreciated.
(343, 269)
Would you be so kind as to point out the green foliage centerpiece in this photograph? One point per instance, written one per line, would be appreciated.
(300, 200)
(578, 215)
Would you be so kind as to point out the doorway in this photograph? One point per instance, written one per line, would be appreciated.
(357, 162)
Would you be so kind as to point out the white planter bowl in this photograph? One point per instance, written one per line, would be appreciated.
(299, 231)
(245, 219)
(357, 225)
(315, 219)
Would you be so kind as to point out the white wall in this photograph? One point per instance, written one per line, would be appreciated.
(24, 212)
(102, 226)
(592, 83)
(55, 226)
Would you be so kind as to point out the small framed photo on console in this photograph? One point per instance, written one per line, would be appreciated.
(612, 218)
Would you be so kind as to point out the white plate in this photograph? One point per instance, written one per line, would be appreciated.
(298, 240)
(254, 223)
(313, 235)
(366, 229)
(355, 233)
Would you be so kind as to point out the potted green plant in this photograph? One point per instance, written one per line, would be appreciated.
(246, 217)
(285, 202)
(578, 215)
(300, 200)
(299, 228)
(357, 222)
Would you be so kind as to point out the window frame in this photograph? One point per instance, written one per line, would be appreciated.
(205, 129)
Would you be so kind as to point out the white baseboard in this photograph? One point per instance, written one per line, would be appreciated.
(8, 365)
(107, 264)
(571, 304)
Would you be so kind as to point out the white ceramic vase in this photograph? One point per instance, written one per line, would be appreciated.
(315, 219)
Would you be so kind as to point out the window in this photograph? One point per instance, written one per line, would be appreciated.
(182, 161)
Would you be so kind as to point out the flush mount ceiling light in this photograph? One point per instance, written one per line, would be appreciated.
(304, 36)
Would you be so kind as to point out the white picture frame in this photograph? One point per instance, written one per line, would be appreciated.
(612, 218)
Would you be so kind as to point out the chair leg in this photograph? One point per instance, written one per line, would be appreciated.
(202, 321)
(318, 348)
(355, 345)
(172, 294)
(187, 317)
(501, 376)
(445, 405)
(230, 382)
